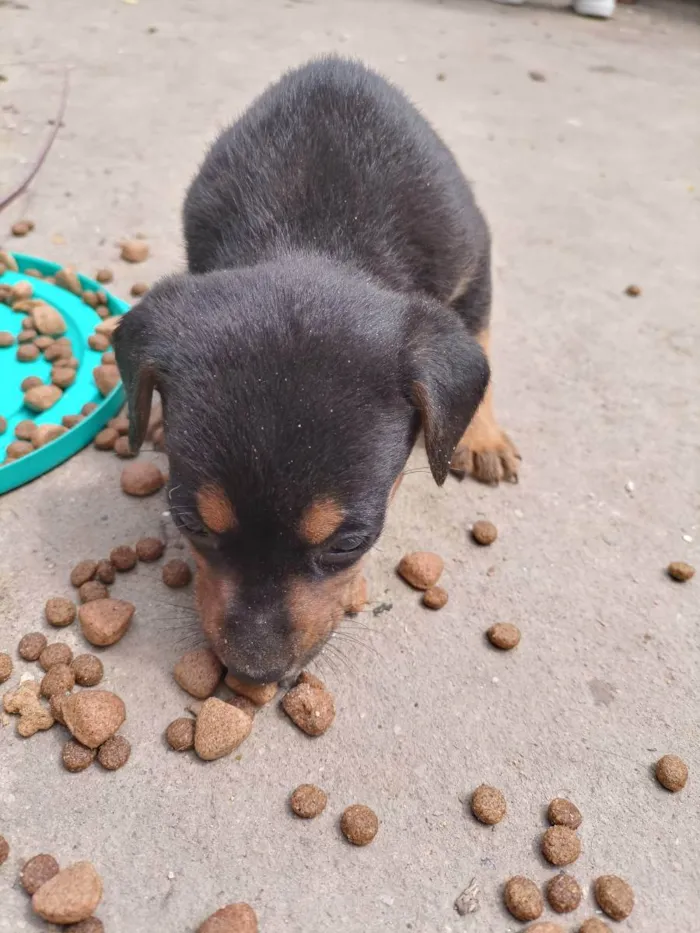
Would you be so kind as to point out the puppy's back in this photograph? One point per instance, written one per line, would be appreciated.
(332, 159)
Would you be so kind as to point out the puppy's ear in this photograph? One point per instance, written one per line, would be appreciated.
(448, 375)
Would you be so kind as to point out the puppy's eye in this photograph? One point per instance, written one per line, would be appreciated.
(342, 551)
(188, 523)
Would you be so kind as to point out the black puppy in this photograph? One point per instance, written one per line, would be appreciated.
(337, 301)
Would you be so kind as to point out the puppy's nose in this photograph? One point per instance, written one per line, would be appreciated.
(259, 649)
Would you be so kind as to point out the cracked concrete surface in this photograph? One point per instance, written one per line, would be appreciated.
(590, 180)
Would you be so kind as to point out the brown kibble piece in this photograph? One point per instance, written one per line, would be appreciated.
(176, 573)
(59, 611)
(77, 757)
(134, 251)
(104, 276)
(359, 824)
(43, 342)
(42, 397)
(58, 680)
(484, 533)
(199, 672)
(106, 439)
(24, 702)
(122, 449)
(31, 382)
(57, 653)
(109, 357)
(24, 430)
(99, 342)
(88, 670)
(180, 734)
(243, 703)
(594, 925)
(4, 850)
(561, 845)
(149, 549)
(234, 918)
(45, 433)
(63, 376)
(92, 590)
(106, 571)
(57, 353)
(138, 289)
(562, 812)
(141, 479)
(312, 710)
(522, 898)
(120, 423)
(421, 569)
(17, 449)
(27, 353)
(435, 598)
(5, 667)
(308, 801)
(93, 716)
(123, 558)
(114, 753)
(88, 408)
(91, 925)
(27, 335)
(56, 707)
(634, 291)
(259, 694)
(105, 621)
(504, 635)
(680, 571)
(6, 338)
(70, 896)
(47, 320)
(22, 227)
(672, 772)
(219, 729)
(564, 893)
(83, 572)
(614, 896)
(106, 378)
(31, 646)
(544, 927)
(488, 804)
(306, 677)
(67, 278)
(37, 871)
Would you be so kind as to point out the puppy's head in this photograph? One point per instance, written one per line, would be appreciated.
(292, 395)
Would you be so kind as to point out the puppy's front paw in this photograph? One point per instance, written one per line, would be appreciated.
(486, 453)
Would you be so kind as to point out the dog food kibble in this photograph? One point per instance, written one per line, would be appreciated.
(17, 449)
(488, 805)
(104, 276)
(484, 533)
(92, 716)
(634, 291)
(22, 227)
(594, 925)
(5, 667)
(47, 320)
(614, 896)
(134, 251)
(106, 571)
(27, 353)
(308, 801)
(564, 893)
(6, 338)
(359, 824)
(41, 398)
(141, 479)
(31, 646)
(87, 670)
(306, 677)
(3, 424)
(105, 439)
(45, 433)
(59, 679)
(105, 621)
(55, 654)
(122, 448)
(138, 289)
(106, 378)
(56, 707)
(83, 572)
(544, 927)
(562, 812)
(312, 710)
(77, 757)
(421, 569)
(24, 702)
(180, 734)
(114, 753)
(561, 845)
(244, 704)
(70, 896)
(92, 590)
(123, 557)
(219, 729)
(37, 871)
(4, 850)
(199, 673)
(523, 899)
(435, 598)
(176, 573)
(680, 571)
(91, 925)
(149, 549)
(234, 918)
(98, 342)
(259, 694)
(59, 611)
(504, 635)
(24, 430)
(672, 772)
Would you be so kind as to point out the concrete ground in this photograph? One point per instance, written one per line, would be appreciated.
(591, 182)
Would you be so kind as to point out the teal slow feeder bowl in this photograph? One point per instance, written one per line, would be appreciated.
(81, 320)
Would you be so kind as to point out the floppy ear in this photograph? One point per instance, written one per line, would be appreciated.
(448, 373)
(134, 342)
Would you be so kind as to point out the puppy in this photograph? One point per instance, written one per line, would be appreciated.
(336, 302)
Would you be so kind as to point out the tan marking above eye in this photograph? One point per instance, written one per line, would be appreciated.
(320, 520)
(216, 509)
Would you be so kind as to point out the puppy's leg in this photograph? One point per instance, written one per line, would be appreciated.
(485, 451)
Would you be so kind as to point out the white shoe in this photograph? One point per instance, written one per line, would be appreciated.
(602, 9)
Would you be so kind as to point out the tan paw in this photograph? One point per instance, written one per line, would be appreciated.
(489, 459)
